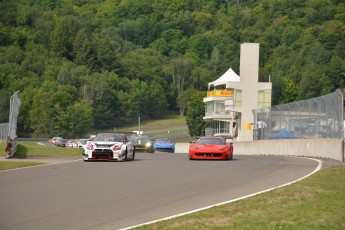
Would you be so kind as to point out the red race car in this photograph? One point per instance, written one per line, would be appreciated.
(211, 148)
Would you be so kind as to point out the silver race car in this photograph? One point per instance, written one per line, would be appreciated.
(109, 147)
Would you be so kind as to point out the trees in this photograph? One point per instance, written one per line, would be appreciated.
(127, 58)
(83, 50)
(4, 105)
(289, 91)
(77, 121)
(157, 104)
(181, 69)
(142, 64)
(55, 114)
(195, 113)
(41, 122)
(63, 36)
(183, 100)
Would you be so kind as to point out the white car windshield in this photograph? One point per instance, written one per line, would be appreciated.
(109, 138)
(83, 141)
(212, 141)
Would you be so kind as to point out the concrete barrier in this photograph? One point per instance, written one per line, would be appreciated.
(327, 148)
(182, 147)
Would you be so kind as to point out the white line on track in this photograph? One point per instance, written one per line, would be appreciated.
(229, 201)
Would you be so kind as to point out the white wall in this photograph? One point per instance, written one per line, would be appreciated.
(320, 148)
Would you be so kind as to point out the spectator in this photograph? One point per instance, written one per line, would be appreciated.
(261, 125)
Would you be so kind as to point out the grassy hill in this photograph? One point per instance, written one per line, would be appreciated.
(172, 126)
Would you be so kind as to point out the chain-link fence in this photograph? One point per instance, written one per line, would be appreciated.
(320, 117)
(4, 131)
(8, 131)
(14, 111)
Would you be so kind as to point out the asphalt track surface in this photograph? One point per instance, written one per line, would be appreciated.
(115, 195)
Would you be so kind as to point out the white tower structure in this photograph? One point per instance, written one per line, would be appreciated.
(231, 99)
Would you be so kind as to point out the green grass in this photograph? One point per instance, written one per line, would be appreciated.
(317, 202)
(168, 124)
(13, 165)
(34, 149)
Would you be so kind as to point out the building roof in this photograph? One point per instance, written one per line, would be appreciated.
(228, 76)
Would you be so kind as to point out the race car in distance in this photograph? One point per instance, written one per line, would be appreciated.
(110, 147)
(82, 142)
(141, 142)
(163, 145)
(211, 148)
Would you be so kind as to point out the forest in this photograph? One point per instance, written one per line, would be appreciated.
(98, 64)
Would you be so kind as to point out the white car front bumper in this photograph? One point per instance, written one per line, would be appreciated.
(103, 154)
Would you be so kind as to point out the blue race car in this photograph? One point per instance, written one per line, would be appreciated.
(163, 145)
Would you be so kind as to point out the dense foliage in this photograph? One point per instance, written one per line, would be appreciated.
(102, 63)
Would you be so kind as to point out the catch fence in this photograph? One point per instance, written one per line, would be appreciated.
(320, 117)
(4, 131)
(8, 131)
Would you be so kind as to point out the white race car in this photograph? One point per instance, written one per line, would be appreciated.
(110, 147)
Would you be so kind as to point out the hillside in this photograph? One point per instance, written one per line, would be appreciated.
(173, 127)
(82, 65)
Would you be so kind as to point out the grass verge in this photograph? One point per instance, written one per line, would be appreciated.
(168, 124)
(317, 202)
(34, 149)
(13, 165)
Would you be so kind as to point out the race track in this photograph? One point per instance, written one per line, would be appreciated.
(113, 195)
